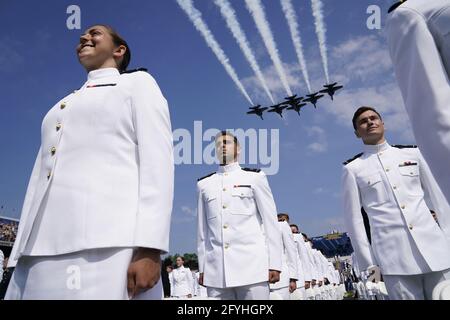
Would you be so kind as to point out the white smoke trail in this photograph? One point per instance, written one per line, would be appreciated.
(321, 30)
(196, 17)
(289, 12)
(256, 9)
(229, 15)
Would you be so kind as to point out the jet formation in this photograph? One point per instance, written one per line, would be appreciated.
(295, 102)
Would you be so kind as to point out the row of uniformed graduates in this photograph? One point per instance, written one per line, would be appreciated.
(243, 251)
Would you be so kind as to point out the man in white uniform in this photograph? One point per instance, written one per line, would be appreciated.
(239, 242)
(419, 44)
(388, 193)
(2, 257)
(304, 263)
(289, 272)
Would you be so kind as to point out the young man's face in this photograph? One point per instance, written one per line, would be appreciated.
(227, 150)
(370, 127)
(294, 230)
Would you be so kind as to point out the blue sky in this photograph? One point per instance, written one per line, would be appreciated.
(38, 66)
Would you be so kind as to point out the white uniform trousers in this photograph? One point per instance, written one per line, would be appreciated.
(97, 274)
(414, 287)
(282, 292)
(298, 294)
(257, 291)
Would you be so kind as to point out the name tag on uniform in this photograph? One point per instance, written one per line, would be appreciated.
(242, 186)
(407, 164)
(102, 85)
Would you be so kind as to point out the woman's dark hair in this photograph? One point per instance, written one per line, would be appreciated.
(118, 41)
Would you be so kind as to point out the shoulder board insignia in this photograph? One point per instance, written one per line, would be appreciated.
(354, 158)
(209, 175)
(400, 146)
(396, 5)
(251, 170)
(134, 70)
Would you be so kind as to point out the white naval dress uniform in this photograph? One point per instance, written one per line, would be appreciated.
(2, 257)
(309, 293)
(102, 185)
(419, 43)
(396, 190)
(181, 282)
(303, 265)
(238, 235)
(289, 267)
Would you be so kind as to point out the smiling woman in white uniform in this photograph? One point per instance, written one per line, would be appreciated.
(96, 215)
(181, 281)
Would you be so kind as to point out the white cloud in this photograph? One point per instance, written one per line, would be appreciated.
(10, 58)
(187, 215)
(320, 143)
(188, 211)
(318, 190)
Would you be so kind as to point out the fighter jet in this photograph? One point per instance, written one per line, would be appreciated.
(331, 89)
(297, 107)
(258, 111)
(293, 100)
(313, 98)
(278, 108)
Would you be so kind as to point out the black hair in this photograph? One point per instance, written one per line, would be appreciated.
(283, 215)
(295, 226)
(360, 111)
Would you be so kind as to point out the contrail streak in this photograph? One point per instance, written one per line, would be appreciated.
(196, 17)
(229, 16)
(256, 9)
(321, 30)
(289, 12)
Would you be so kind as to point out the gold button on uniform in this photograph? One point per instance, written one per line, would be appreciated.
(53, 151)
(225, 226)
(224, 189)
(395, 187)
(49, 175)
(411, 227)
(387, 170)
(224, 206)
(63, 105)
(403, 207)
(227, 246)
(58, 126)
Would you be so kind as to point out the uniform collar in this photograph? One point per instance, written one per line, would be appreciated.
(229, 167)
(103, 73)
(370, 149)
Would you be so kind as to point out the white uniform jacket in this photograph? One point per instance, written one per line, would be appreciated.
(312, 261)
(305, 267)
(318, 263)
(394, 189)
(103, 176)
(419, 43)
(181, 282)
(289, 257)
(238, 235)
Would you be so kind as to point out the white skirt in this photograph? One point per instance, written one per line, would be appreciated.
(97, 274)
